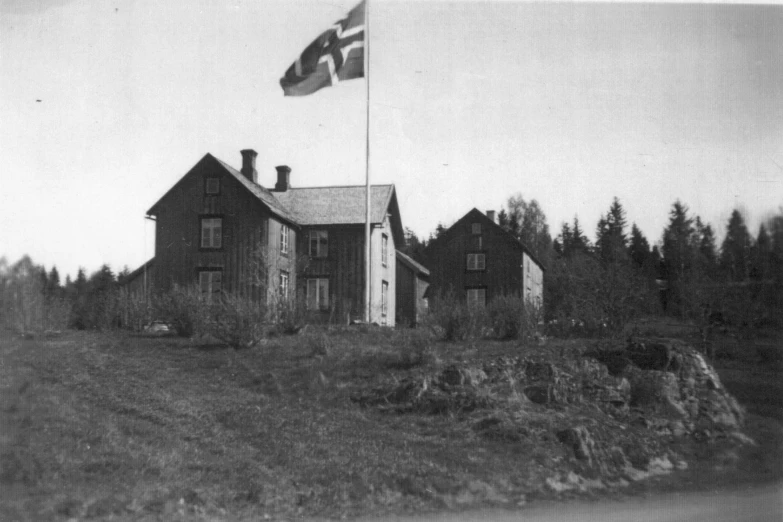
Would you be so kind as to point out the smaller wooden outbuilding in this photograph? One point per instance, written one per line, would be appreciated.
(413, 279)
(478, 260)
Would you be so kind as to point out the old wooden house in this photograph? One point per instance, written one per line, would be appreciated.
(221, 229)
(478, 260)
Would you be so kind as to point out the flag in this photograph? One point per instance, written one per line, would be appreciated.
(335, 56)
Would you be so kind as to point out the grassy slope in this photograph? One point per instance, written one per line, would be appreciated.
(95, 425)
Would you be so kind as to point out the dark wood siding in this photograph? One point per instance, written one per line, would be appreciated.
(245, 221)
(406, 294)
(344, 266)
(447, 260)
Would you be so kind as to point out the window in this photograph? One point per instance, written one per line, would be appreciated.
(319, 243)
(212, 186)
(475, 228)
(477, 296)
(384, 298)
(211, 232)
(283, 239)
(318, 294)
(211, 283)
(476, 242)
(384, 249)
(283, 284)
(476, 262)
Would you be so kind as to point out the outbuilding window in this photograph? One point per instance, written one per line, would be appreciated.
(212, 186)
(476, 262)
(476, 297)
(384, 298)
(211, 283)
(211, 232)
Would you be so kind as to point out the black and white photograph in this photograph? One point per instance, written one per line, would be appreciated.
(391, 260)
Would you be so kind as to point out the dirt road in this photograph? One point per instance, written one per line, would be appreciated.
(756, 504)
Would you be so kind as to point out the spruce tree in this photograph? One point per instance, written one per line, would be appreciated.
(678, 257)
(736, 248)
(639, 247)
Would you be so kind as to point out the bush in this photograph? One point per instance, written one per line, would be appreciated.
(134, 310)
(507, 316)
(586, 296)
(455, 320)
(238, 321)
(291, 314)
(184, 308)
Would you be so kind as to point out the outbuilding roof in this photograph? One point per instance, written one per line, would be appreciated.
(412, 264)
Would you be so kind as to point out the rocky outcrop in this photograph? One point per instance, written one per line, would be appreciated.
(671, 380)
(613, 413)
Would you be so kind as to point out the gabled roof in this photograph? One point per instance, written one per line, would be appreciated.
(314, 206)
(476, 215)
(263, 195)
(412, 264)
(336, 205)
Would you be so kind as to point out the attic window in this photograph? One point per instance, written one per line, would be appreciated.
(476, 262)
(213, 186)
(475, 228)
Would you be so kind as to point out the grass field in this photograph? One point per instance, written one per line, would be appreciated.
(115, 426)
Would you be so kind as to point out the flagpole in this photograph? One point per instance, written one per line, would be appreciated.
(367, 272)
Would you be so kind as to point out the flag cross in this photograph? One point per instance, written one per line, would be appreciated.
(339, 42)
(336, 55)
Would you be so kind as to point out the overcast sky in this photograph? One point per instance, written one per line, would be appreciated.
(105, 105)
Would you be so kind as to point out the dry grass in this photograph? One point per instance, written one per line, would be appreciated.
(139, 428)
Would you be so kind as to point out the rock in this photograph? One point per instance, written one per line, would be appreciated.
(654, 355)
(539, 393)
(580, 441)
(652, 387)
(456, 376)
(540, 371)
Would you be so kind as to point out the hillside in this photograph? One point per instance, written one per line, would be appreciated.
(358, 422)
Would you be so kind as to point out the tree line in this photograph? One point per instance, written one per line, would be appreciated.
(35, 299)
(601, 286)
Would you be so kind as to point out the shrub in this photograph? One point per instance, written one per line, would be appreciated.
(507, 316)
(291, 314)
(184, 308)
(134, 310)
(454, 320)
(238, 321)
(586, 296)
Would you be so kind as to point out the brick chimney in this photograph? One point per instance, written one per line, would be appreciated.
(249, 164)
(283, 178)
(491, 216)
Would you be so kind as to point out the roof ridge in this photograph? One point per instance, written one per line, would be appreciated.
(341, 186)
